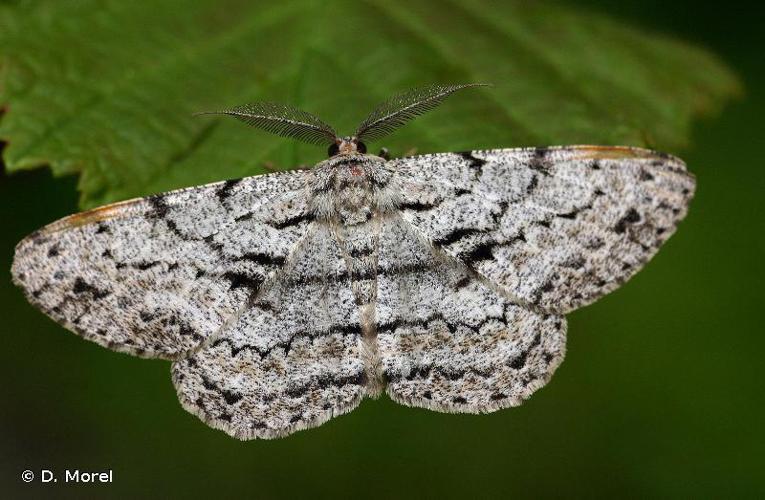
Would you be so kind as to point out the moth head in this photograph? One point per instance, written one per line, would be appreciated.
(288, 121)
(345, 146)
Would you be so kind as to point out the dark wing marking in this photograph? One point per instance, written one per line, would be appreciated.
(289, 361)
(554, 228)
(451, 343)
(157, 276)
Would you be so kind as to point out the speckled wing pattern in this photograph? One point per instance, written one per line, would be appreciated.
(554, 228)
(285, 299)
(156, 276)
(291, 360)
(450, 341)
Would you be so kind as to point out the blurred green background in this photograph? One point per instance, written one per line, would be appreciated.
(661, 394)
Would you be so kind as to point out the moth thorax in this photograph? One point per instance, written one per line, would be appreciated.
(354, 198)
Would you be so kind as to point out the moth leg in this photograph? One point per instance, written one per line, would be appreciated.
(384, 154)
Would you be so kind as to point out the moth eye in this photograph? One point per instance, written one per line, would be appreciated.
(333, 149)
(361, 147)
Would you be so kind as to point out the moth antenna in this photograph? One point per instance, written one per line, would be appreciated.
(283, 120)
(399, 109)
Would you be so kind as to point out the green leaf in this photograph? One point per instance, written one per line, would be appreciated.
(106, 89)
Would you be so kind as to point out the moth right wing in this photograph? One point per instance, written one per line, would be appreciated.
(554, 228)
(156, 276)
(447, 340)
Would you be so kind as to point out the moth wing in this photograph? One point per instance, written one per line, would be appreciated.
(291, 359)
(157, 276)
(554, 228)
(447, 340)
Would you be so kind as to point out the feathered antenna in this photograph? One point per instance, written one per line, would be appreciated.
(283, 120)
(399, 109)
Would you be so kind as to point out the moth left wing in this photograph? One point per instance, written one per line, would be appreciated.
(292, 359)
(553, 228)
(156, 276)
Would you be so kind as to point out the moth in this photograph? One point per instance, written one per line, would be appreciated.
(284, 299)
